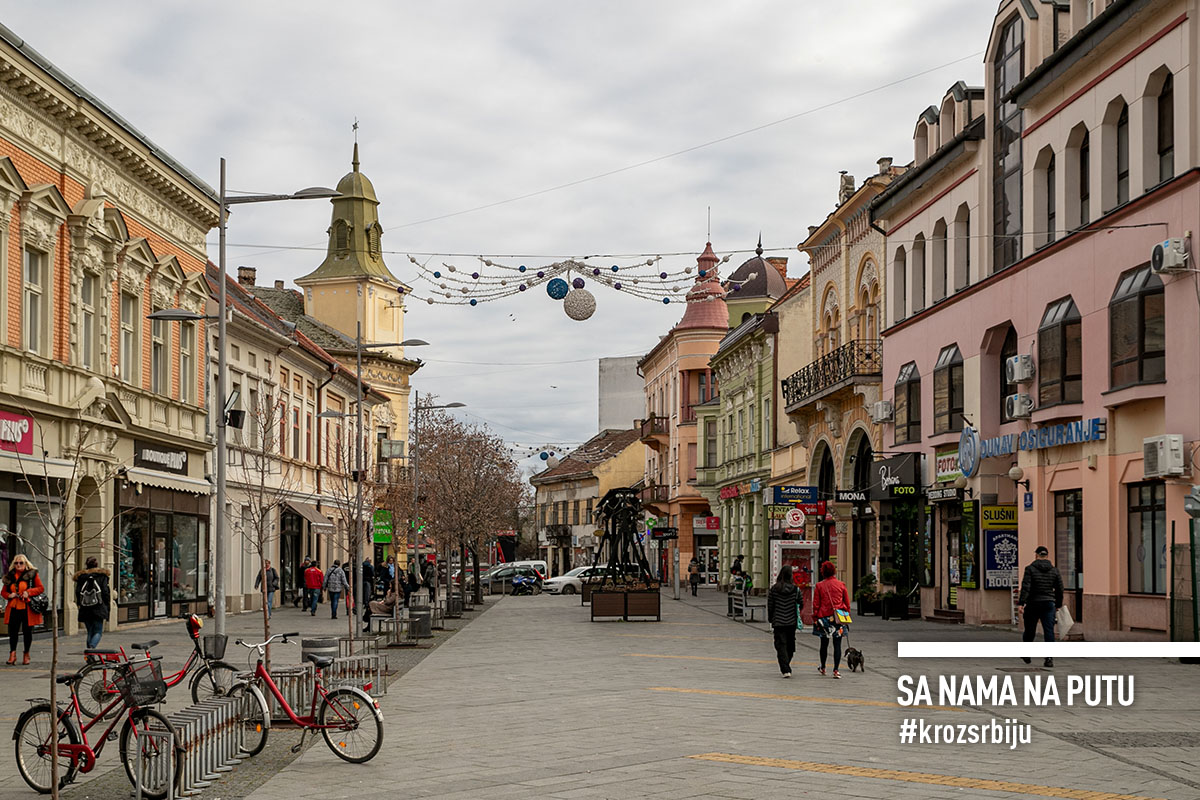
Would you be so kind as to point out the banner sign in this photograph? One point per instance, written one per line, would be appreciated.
(1000, 558)
(153, 456)
(901, 470)
(16, 433)
(658, 534)
(946, 466)
(381, 526)
(790, 495)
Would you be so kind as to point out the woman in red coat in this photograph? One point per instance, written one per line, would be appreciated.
(21, 582)
(829, 595)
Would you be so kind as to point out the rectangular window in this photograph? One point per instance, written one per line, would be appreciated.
(907, 400)
(766, 426)
(948, 391)
(1147, 538)
(160, 371)
(575, 512)
(88, 294)
(253, 412)
(35, 303)
(130, 327)
(1068, 536)
(710, 442)
(308, 443)
(187, 363)
(1123, 156)
(741, 433)
(751, 440)
(590, 508)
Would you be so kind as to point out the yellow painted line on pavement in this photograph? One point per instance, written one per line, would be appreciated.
(927, 778)
(684, 636)
(845, 701)
(716, 658)
(701, 624)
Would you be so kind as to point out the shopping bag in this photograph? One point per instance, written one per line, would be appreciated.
(1062, 622)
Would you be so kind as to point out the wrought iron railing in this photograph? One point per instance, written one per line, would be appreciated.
(860, 358)
(655, 493)
(655, 426)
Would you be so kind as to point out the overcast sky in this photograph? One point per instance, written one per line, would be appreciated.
(462, 105)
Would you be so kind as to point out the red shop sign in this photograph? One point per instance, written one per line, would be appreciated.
(16, 433)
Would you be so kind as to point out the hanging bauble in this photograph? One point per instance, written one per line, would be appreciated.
(552, 462)
(577, 283)
(463, 290)
(451, 268)
(475, 275)
(544, 456)
(541, 274)
(557, 288)
(522, 287)
(579, 304)
(737, 287)
(662, 275)
(617, 285)
(687, 270)
(429, 300)
(504, 283)
(596, 271)
(437, 274)
(441, 286)
(474, 301)
(521, 268)
(703, 272)
(666, 300)
(615, 268)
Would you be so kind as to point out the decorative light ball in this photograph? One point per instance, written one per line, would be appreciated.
(674, 288)
(449, 295)
(437, 274)
(702, 273)
(475, 275)
(666, 301)
(487, 261)
(649, 262)
(552, 462)
(544, 456)
(557, 288)
(662, 275)
(474, 301)
(635, 281)
(452, 268)
(429, 300)
(596, 271)
(687, 270)
(522, 287)
(615, 268)
(441, 286)
(737, 287)
(521, 268)
(541, 274)
(577, 283)
(463, 290)
(504, 283)
(580, 304)
(617, 285)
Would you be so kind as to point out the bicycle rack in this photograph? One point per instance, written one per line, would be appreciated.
(208, 740)
(357, 671)
(166, 742)
(296, 684)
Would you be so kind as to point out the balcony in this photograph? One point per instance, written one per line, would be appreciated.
(656, 432)
(860, 361)
(687, 414)
(655, 495)
(705, 476)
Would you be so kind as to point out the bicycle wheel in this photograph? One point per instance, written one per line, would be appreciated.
(33, 748)
(356, 731)
(214, 679)
(256, 722)
(96, 690)
(157, 775)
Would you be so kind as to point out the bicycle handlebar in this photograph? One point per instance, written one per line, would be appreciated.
(261, 645)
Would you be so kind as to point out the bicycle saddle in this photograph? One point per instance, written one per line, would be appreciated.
(102, 652)
(320, 662)
(144, 645)
(67, 679)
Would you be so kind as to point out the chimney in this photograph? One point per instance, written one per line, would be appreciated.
(278, 284)
(246, 275)
(885, 165)
(846, 189)
(779, 263)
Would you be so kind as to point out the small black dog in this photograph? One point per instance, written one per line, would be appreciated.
(855, 660)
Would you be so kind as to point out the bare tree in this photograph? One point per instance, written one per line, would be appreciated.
(88, 448)
(343, 486)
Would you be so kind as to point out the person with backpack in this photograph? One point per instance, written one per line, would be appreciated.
(335, 584)
(272, 584)
(92, 597)
(784, 604)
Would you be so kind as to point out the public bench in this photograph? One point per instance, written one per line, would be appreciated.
(745, 606)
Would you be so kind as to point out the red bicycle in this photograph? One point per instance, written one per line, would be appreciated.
(213, 678)
(138, 684)
(348, 718)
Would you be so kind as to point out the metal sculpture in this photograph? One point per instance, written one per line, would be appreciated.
(625, 563)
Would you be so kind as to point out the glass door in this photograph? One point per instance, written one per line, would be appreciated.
(1068, 545)
(163, 568)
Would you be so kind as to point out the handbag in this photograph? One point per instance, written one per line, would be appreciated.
(39, 604)
(1062, 622)
(842, 616)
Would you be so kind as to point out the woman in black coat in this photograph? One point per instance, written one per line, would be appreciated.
(783, 612)
(92, 597)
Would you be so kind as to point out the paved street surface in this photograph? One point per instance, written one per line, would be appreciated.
(531, 699)
(534, 700)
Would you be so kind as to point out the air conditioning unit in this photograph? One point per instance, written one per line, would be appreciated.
(1019, 369)
(1018, 406)
(1162, 456)
(881, 411)
(1169, 256)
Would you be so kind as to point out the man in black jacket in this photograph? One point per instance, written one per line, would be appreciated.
(1041, 597)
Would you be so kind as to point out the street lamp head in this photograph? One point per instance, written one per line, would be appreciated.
(333, 415)
(176, 315)
(455, 405)
(315, 193)
(412, 343)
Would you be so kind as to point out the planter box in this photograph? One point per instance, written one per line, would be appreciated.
(895, 608)
(643, 604)
(625, 604)
(586, 593)
(869, 607)
(608, 604)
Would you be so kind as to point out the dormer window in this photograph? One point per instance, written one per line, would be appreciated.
(374, 245)
(341, 236)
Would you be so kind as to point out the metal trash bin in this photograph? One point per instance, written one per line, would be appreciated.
(420, 622)
(320, 645)
(455, 608)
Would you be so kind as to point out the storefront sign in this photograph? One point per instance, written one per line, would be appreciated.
(968, 563)
(901, 470)
(904, 492)
(943, 494)
(1000, 558)
(946, 466)
(972, 449)
(791, 494)
(851, 496)
(700, 522)
(659, 534)
(153, 456)
(739, 489)
(381, 526)
(16, 433)
(999, 518)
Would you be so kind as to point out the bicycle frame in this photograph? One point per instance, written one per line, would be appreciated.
(84, 756)
(310, 720)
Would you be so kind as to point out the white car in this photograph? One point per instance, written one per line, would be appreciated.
(571, 582)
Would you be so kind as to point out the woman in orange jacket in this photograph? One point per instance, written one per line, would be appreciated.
(21, 583)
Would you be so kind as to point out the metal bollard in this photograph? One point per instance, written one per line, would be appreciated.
(166, 743)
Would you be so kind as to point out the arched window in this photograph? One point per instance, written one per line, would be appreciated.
(940, 261)
(1060, 354)
(962, 247)
(1007, 351)
(907, 404)
(899, 278)
(917, 286)
(1078, 164)
(948, 390)
(1123, 156)
(1009, 69)
(1163, 167)
(1137, 329)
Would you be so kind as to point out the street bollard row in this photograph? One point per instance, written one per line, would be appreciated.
(358, 671)
(208, 741)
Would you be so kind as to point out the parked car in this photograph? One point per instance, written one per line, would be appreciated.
(571, 582)
(498, 579)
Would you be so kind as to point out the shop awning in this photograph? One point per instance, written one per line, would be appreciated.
(163, 480)
(31, 465)
(310, 513)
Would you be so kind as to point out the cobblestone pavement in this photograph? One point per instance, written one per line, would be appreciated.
(534, 700)
(108, 781)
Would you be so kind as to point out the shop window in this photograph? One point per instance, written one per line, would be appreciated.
(1068, 536)
(1137, 329)
(1009, 69)
(1060, 354)
(948, 390)
(34, 299)
(88, 336)
(907, 403)
(189, 579)
(1147, 538)
(130, 328)
(133, 558)
(1007, 351)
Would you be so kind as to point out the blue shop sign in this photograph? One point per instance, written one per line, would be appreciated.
(785, 495)
(972, 449)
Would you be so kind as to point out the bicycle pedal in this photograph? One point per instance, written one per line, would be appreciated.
(112, 736)
(296, 748)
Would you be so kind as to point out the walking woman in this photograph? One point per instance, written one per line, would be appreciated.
(783, 612)
(92, 596)
(21, 583)
(829, 596)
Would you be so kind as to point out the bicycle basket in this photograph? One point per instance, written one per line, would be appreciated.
(214, 646)
(140, 683)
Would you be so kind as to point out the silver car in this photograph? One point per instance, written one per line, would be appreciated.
(571, 582)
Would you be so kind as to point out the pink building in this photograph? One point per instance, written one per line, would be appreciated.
(1026, 227)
